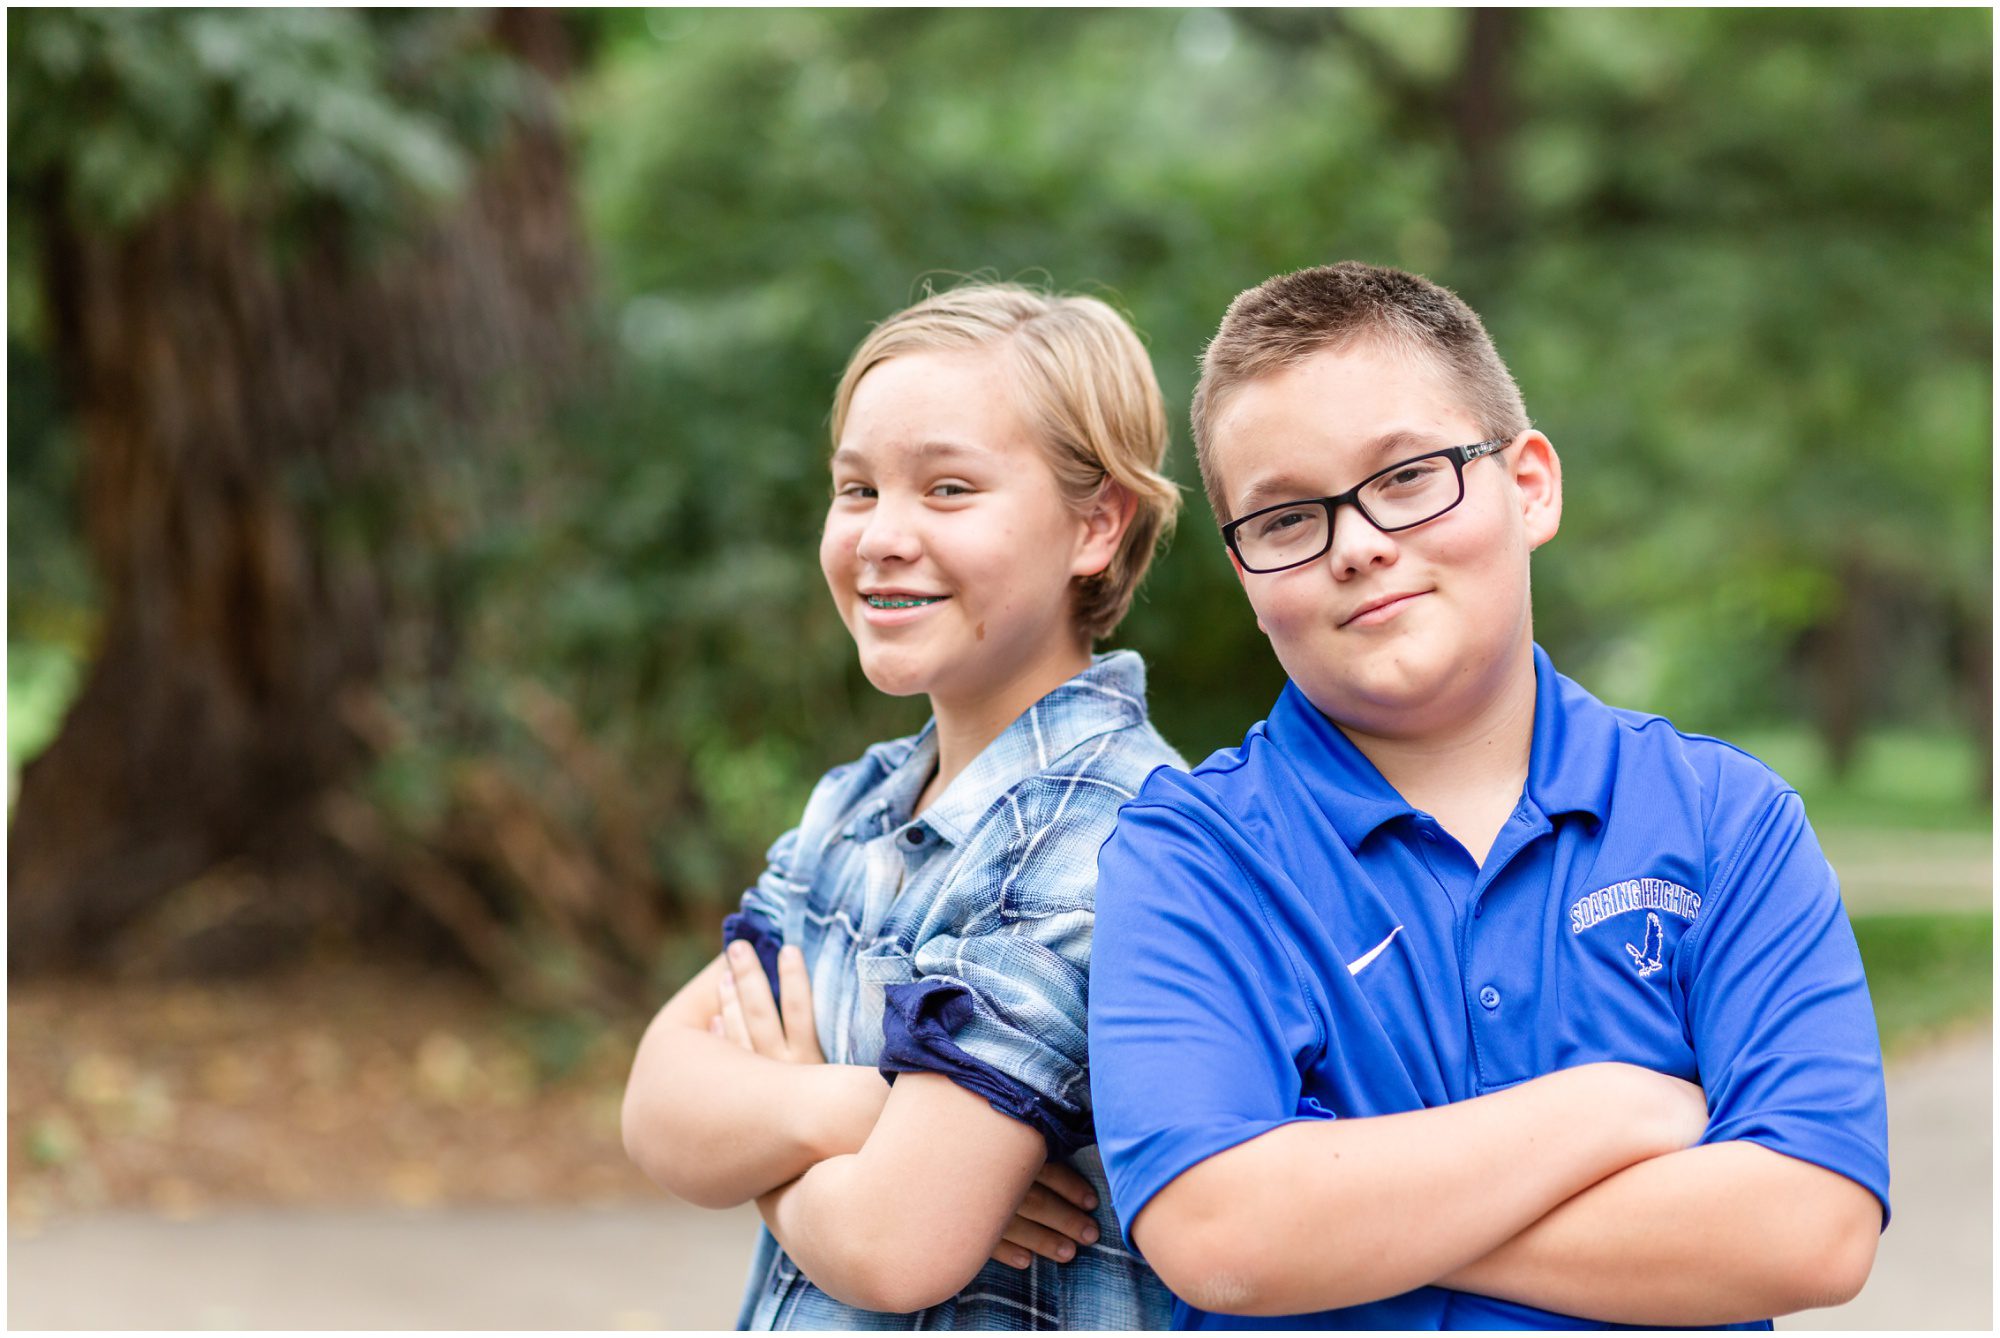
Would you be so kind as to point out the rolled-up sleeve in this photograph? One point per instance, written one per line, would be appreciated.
(760, 918)
(1002, 1014)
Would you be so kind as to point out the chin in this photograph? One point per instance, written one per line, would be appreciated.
(1378, 696)
(897, 683)
(894, 679)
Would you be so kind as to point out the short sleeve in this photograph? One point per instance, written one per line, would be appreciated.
(1199, 1021)
(761, 917)
(1778, 1007)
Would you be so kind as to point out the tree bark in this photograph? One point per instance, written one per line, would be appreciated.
(1838, 655)
(1970, 644)
(1481, 110)
(237, 410)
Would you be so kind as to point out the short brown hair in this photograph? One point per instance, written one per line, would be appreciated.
(1087, 390)
(1286, 319)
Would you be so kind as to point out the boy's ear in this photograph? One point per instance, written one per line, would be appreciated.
(1105, 519)
(1537, 474)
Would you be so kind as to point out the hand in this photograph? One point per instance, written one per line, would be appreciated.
(782, 1030)
(1052, 1221)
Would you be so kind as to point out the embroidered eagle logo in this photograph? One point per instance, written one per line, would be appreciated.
(1647, 959)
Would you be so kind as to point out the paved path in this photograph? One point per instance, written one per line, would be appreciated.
(628, 1267)
(668, 1266)
(1934, 1269)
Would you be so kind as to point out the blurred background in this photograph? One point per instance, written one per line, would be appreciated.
(417, 432)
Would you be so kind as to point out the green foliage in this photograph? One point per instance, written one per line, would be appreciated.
(50, 592)
(280, 111)
(1756, 354)
(42, 679)
(1740, 263)
(1926, 973)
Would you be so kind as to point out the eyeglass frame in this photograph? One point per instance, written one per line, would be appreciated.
(1460, 457)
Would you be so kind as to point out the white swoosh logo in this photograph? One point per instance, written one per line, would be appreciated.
(1355, 967)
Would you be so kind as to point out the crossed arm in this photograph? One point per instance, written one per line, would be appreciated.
(730, 1099)
(1715, 1234)
(1566, 1192)
(1613, 1217)
(717, 1124)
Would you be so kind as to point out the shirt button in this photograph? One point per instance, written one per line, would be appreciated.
(1489, 998)
(914, 835)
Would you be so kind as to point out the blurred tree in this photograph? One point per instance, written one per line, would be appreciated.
(1777, 232)
(1740, 263)
(1760, 367)
(284, 255)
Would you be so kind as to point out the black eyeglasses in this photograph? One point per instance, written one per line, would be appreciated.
(1401, 497)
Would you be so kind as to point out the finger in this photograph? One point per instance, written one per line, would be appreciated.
(1068, 1182)
(733, 1028)
(715, 1025)
(796, 1006)
(1057, 1214)
(753, 994)
(1033, 1236)
(1012, 1255)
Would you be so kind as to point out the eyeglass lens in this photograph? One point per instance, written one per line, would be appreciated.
(1407, 495)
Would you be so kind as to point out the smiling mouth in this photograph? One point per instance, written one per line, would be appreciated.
(1384, 604)
(901, 601)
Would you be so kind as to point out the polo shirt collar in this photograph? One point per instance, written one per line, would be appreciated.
(1107, 696)
(1570, 759)
(1574, 754)
(1350, 791)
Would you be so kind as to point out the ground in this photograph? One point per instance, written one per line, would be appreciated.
(336, 1085)
(661, 1264)
(366, 1146)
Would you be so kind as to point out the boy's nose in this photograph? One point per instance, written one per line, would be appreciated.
(888, 537)
(1356, 544)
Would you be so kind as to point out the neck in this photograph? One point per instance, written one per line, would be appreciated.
(965, 725)
(1475, 767)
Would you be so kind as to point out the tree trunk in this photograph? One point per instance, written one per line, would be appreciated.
(1480, 108)
(1970, 644)
(237, 412)
(1838, 656)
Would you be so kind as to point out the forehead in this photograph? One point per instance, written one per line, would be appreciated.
(1320, 425)
(924, 397)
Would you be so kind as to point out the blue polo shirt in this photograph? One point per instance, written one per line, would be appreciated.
(1280, 936)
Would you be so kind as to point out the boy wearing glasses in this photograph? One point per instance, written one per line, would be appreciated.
(1454, 998)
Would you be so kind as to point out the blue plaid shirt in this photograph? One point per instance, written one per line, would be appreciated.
(958, 942)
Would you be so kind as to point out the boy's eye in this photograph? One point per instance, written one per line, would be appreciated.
(857, 491)
(951, 490)
(1281, 522)
(1413, 475)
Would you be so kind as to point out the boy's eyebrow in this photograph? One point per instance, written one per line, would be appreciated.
(926, 451)
(1270, 491)
(1403, 442)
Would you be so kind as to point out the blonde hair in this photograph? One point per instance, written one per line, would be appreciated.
(1286, 319)
(1089, 394)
